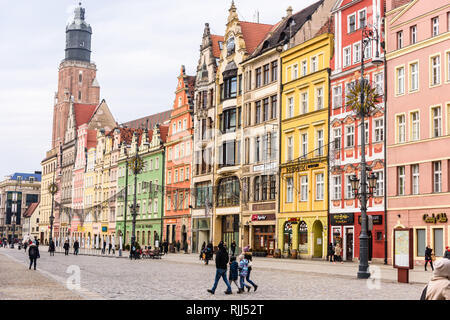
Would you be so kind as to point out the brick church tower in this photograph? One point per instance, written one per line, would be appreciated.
(77, 75)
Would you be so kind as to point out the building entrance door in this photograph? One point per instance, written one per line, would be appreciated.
(349, 244)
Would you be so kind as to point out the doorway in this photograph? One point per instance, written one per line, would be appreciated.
(348, 243)
(317, 239)
(370, 241)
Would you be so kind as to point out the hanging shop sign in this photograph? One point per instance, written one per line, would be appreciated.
(342, 219)
(440, 217)
(376, 219)
(293, 220)
(263, 217)
(301, 167)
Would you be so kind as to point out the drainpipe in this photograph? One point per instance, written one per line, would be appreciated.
(385, 162)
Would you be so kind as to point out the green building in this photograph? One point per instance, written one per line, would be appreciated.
(149, 192)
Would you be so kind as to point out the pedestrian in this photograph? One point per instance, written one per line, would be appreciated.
(234, 272)
(178, 245)
(439, 286)
(248, 256)
(330, 252)
(233, 247)
(37, 243)
(133, 252)
(428, 257)
(66, 248)
(25, 245)
(109, 248)
(166, 247)
(76, 246)
(221, 269)
(51, 248)
(243, 272)
(202, 250)
(104, 247)
(337, 253)
(33, 253)
(209, 252)
(447, 253)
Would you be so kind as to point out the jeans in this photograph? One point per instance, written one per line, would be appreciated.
(221, 273)
(431, 264)
(66, 252)
(248, 278)
(242, 283)
(31, 262)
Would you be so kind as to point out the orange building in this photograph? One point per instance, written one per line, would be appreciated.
(177, 215)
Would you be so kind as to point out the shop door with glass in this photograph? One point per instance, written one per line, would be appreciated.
(349, 244)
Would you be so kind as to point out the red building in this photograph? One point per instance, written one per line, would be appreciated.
(345, 125)
(177, 216)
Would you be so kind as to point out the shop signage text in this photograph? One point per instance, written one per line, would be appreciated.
(440, 217)
(301, 167)
(376, 219)
(341, 219)
(263, 217)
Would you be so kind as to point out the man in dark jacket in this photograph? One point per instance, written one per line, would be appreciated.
(66, 248)
(33, 253)
(221, 269)
(428, 257)
(76, 246)
(233, 247)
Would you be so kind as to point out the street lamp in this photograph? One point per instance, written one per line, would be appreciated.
(367, 36)
(53, 189)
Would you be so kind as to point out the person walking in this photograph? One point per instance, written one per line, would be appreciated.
(233, 247)
(66, 248)
(33, 254)
(109, 248)
(76, 246)
(330, 252)
(248, 256)
(166, 247)
(202, 250)
(243, 273)
(221, 269)
(25, 245)
(234, 272)
(439, 286)
(104, 247)
(51, 248)
(337, 253)
(428, 257)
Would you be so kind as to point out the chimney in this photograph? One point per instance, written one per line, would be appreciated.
(289, 11)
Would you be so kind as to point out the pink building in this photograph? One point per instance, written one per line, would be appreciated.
(418, 119)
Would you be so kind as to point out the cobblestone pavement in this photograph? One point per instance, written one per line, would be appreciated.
(179, 276)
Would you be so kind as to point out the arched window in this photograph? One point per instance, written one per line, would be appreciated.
(287, 236)
(303, 237)
(228, 192)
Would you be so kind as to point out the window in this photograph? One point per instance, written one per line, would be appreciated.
(304, 97)
(264, 187)
(401, 128)
(337, 97)
(379, 191)
(401, 80)
(266, 73)
(437, 176)
(347, 56)
(337, 188)
(413, 34)
(437, 122)
(351, 27)
(273, 185)
(337, 138)
(290, 149)
(187, 173)
(184, 124)
(379, 130)
(289, 189)
(274, 106)
(415, 126)
(414, 72)
(155, 206)
(157, 163)
(421, 242)
(258, 77)
(435, 26)
(319, 186)
(399, 40)
(366, 132)
(438, 241)
(174, 128)
(274, 70)
(319, 98)
(304, 67)
(266, 109)
(258, 112)
(169, 177)
(401, 180)
(294, 71)
(350, 136)
(368, 50)
(348, 190)
(362, 18)
(228, 119)
(79, 95)
(314, 66)
(435, 70)
(290, 107)
(304, 145)
(415, 179)
(319, 143)
(257, 149)
(356, 52)
(229, 88)
(256, 189)
(179, 125)
(304, 188)
(230, 46)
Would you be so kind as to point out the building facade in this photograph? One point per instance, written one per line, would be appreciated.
(418, 160)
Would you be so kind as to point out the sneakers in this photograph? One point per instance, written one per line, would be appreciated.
(256, 287)
(210, 291)
(248, 289)
(228, 292)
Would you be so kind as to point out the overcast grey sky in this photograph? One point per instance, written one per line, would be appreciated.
(138, 46)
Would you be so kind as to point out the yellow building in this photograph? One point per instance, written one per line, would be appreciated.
(302, 220)
(89, 193)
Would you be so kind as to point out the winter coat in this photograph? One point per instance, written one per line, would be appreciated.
(337, 250)
(222, 258)
(428, 252)
(248, 256)
(51, 247)
(33, 252)
(439, 286)
(66, 246)
(76, 245)
(243, 267)
(330, 250)
(234, 270)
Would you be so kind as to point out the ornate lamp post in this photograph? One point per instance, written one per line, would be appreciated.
(53, 189)
(367, 98)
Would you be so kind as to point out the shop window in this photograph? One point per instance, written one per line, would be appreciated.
(303, 237)
(287, 236)
(420, 242)
(379, 236)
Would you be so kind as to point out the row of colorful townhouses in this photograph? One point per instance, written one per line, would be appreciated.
(260, 145)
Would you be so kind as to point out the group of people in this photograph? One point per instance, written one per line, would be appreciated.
(241, 269)
(334, 253)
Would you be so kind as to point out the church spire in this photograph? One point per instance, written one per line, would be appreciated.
(78, 37)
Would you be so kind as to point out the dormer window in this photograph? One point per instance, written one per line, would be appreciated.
(220, 45)
(230, 46)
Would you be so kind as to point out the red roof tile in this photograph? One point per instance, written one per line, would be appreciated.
(253, 34)
(163, 132)
(215, 45)
(91, 139)
(83, 112)
(30, 210)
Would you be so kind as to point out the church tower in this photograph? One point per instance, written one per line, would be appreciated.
(77, 80)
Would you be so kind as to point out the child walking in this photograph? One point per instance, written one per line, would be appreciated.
(234, 266)
(243, 272)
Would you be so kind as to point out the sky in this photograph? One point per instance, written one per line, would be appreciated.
(137, 45)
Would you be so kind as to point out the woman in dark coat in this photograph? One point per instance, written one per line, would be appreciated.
(233, 247)
(33, 253)
(428, 257)
(51, 248)
(330, 252)
(66, 248)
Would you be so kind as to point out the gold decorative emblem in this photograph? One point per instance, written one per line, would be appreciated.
(136, 164)
(53, 188)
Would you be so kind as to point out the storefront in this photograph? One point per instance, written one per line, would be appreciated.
(230, 229)
(342, 232)
(200, 233)
(263, 234)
